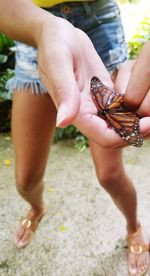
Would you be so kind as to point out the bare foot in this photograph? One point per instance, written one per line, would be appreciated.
(138, 258)
(27, 227)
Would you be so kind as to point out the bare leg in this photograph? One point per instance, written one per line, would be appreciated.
(112, 176)
(33, 124)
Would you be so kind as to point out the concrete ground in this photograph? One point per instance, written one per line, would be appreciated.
(83, 233)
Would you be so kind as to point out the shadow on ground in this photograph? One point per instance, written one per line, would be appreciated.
(82, 234)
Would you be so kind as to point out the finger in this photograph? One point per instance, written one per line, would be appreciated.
(63, 88)
(140, 80)
(123, 76)
(144, 109)
(97, 129)
(93, 62)
(145, 127)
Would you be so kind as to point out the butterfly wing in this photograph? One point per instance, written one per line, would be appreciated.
(124, 122)
(102, 95)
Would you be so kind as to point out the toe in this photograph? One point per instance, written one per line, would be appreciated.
(19, 234)
(25, 231)
(142, 263)
(132, 269)
(26, 238)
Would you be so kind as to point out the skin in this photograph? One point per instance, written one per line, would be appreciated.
(140, 83)
(112, 177)
(68, 102)
(28, 113)
(75, 61)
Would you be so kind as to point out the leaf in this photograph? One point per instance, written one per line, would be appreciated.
(132, 161)
(3, 59)
(51, 190)
(7, 162)
(8, 138)
(63, 228)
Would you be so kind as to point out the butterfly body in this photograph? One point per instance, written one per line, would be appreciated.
(102, 112)
(111, 107)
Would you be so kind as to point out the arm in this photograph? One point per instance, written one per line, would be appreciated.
(138, 90)
(67, 61)
(22, 20)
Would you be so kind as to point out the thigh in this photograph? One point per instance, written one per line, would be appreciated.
(33, 114)
(33, 124)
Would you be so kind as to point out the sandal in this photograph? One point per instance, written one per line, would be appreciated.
(137, 249)
(29, 224)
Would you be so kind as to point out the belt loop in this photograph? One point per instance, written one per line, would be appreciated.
(87, 7)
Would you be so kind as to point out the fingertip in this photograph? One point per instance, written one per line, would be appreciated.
(130, 101)
(145, 127)
(67, 114)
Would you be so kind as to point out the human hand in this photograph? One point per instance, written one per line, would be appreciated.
(67, 62)
(122, 81)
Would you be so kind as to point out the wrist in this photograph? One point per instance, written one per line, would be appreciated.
(22, 20)
(42, 25)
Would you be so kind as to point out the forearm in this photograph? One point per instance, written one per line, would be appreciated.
(22, 20)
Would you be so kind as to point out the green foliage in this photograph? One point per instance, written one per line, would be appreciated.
(128, 1)
(71, 132)
(81, 142)
(5, 43)
(6, 72)
(141, 36)
(3, 59)
(5, 115)
(6, 54)
(6, 62)
(4, 76)
(65, 133)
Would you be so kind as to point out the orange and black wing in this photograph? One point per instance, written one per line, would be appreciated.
(124, 122)
(101, 94)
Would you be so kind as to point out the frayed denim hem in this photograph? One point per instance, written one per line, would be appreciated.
(35, 86)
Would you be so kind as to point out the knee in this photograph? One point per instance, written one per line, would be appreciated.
(108, 177)
(27, 181)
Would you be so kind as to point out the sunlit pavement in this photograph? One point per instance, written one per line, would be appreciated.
(83, 233)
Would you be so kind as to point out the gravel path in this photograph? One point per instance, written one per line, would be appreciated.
(83, 233)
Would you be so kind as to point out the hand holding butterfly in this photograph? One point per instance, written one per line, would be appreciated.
(67, 77)
(67, 61)
(73, 62)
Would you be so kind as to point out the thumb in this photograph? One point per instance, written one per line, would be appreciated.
(66, 93)
(59, 78)
(69, 105)
(66, 96)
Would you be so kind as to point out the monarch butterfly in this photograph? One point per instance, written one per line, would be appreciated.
(110, 106)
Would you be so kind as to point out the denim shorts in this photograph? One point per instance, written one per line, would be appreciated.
(99, 19)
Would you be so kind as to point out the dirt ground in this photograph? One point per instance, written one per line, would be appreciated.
(83, 233)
